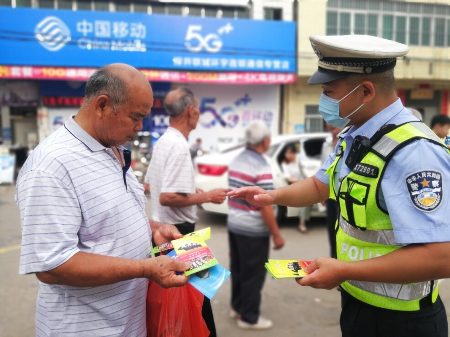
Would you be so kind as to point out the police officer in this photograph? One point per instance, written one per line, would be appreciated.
(387, 174)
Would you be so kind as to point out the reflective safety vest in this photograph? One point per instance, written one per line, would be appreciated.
(364, 229)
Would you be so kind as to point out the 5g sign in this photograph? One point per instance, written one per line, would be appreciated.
(227, 117)
(196, 42)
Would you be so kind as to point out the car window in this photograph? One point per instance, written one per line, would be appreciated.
(313, 147)
(280, 156)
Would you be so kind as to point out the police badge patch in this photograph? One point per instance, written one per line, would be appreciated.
(425, 189)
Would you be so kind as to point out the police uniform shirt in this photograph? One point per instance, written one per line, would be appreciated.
(411, 224)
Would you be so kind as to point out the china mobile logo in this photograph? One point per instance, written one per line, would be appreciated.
(52, 33)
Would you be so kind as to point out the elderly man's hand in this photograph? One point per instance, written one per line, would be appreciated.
(254, 195)
(165, 233)
(162, 270)
(217, 196)
(324, 273)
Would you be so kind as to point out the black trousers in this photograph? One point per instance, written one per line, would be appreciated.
(332, 215)
(248, 255)
(360, 319)
(207, 314)
(185, 227)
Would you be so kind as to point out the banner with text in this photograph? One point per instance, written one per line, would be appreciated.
(93, 39)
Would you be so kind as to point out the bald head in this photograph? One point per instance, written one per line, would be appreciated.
(178, 100)
(116, 81)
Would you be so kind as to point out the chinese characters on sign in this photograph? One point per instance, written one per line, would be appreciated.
(111, 33)
(83, 74)
(62, 101)
(231, 63)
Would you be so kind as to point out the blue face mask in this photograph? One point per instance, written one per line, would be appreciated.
(329, 110)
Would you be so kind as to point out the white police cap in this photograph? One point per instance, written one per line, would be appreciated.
(343, 55)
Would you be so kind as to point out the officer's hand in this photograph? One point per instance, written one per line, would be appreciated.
(278, 241)
(217, 196)
(254, 195)
(324, 273)
(165, 233)
(162, 270)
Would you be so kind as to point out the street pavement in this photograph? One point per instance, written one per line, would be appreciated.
(295, 310)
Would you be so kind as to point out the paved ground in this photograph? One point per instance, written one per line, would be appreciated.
(295, 310)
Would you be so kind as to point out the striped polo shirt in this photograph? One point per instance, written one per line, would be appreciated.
(249, 168)
(72, 198)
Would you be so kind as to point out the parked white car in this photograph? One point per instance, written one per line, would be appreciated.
(212, 169)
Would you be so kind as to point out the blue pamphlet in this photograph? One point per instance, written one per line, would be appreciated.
(207, 281)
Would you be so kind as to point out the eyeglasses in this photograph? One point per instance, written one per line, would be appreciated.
(127, 158)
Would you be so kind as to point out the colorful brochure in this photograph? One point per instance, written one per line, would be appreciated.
(287, 268)
(193, 249)
(207, 281)
(204, 233)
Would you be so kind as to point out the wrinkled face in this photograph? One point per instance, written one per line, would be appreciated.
(123, 124)
(194, 115)
(266, 143)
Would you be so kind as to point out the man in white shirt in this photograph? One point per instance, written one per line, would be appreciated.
(171, 174)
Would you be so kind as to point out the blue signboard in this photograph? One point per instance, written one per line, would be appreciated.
(92, 39)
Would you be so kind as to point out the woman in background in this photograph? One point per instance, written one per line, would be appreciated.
(292, 173)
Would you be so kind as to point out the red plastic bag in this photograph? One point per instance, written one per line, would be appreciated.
(175, 312)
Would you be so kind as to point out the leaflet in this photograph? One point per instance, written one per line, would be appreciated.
(205, 233)
(207, 281)
(287, 268)
(193, 249)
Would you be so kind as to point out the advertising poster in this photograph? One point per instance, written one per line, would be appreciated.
(89, 39)
(7, 169)
(57, 117)
(226, 111)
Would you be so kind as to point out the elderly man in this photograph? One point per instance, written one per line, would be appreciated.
(84, 230)
(171, 174)
(387, 174)
(249, 230)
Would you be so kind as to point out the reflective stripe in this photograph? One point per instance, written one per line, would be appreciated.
(405, 292)
(426, 130)
(385, 145)
(383, 237)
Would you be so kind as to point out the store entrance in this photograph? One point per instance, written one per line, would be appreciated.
(24, 132)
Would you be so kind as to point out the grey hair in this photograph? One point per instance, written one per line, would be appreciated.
(102, 82)
(416, 113)
(177, 107)
(256, 132)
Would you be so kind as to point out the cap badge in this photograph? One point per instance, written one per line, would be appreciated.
(314, 47)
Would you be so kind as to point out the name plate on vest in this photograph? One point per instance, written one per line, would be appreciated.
(366, 170)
